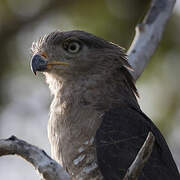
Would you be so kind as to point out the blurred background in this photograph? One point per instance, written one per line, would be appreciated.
(25, 99)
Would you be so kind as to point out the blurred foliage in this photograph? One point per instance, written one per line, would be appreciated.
(114, 20)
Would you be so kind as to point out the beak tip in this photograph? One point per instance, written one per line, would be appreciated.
(33, 70)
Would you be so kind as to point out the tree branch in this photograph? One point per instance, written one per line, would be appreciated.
(47, 167)
(143, 155)
(148, 35)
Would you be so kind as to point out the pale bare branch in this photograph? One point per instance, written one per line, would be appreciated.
(142, 157)
(148, 35)
(46, 167)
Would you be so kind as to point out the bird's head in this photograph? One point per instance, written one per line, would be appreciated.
(75, 53)
(78, 54)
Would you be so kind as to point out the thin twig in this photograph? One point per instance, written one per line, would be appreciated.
(142, 157)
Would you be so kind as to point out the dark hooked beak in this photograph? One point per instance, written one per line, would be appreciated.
(38, 63)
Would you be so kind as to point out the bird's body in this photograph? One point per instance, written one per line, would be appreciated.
(96, 126)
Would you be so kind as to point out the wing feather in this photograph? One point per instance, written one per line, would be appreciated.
(120, 137)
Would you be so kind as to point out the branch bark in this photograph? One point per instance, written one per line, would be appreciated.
(142, 157)
(46, 167)
(148, 35)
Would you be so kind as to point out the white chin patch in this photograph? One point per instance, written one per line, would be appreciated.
(54, 82)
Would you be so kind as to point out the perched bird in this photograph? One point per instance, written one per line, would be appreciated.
(96, 126)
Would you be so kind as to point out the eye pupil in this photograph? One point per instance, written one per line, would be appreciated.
(73, 47)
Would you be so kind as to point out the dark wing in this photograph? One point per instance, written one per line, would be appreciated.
(120, 137)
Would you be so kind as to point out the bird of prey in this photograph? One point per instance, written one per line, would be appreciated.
(96, 126)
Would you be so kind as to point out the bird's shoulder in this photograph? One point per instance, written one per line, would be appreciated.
(119, 138)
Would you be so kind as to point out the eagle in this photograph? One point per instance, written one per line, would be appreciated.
(96, 126)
